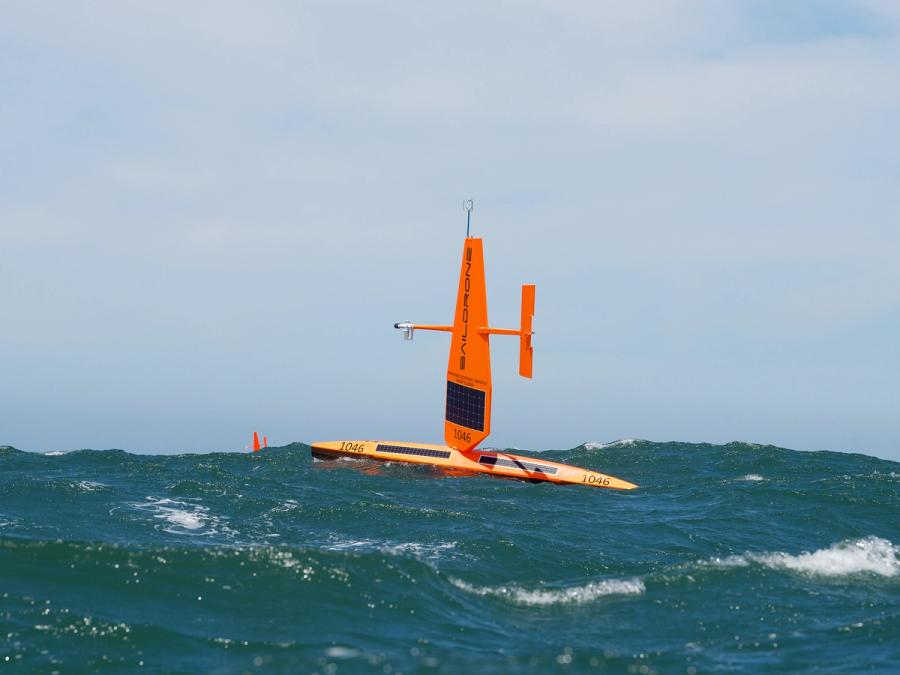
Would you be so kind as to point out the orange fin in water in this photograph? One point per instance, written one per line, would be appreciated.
(256, 445)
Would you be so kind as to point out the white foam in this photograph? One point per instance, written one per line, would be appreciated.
(871, 555)
(89, 485)
(420, 550)
(348, 545)
(571, 595)
(341, 458)
(285, 506)
(339, 652)
(417, 549)
(752, 477)
(621, 443)
(182, 517)
(726, 563)
(56, 453)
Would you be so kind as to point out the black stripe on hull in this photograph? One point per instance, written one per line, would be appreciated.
(318, 453)
(531, 467)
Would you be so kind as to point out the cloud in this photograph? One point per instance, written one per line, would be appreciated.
(223, 192)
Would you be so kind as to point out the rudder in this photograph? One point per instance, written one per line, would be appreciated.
(526, 351)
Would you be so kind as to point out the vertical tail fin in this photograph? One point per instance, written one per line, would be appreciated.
(265, 441)
(256, 446)
(526, 351)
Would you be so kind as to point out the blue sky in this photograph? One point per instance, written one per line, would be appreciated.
(212, 213)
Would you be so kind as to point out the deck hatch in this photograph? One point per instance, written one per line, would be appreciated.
(516, 464)
(419, 452)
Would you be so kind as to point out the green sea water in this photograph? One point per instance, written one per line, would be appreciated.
(733, 558)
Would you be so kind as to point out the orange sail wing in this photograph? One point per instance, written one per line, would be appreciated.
(468, 415)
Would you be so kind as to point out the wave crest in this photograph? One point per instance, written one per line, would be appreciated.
(620, 443)
(415, 549)
(869, 555)
(571, 595)
(872, 555)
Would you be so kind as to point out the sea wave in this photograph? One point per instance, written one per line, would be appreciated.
(568, 595)
(868, 555)
(89, 485)
(171, 563)
(182, 517)
(620, 443)
(415, 549)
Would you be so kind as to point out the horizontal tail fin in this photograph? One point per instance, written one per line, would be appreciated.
(526, 351)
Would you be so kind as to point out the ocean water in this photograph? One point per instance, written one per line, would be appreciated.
(737, 558)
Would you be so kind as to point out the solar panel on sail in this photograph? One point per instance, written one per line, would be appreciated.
(465, 406)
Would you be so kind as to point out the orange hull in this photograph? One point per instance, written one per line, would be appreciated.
(498, 464)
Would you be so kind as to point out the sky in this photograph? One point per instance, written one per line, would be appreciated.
(212, 213)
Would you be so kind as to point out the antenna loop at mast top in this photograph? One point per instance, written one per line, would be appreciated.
(469, 206)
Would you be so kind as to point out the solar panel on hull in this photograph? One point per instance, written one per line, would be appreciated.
(465, 406)
(515, 464)
(419, 452)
